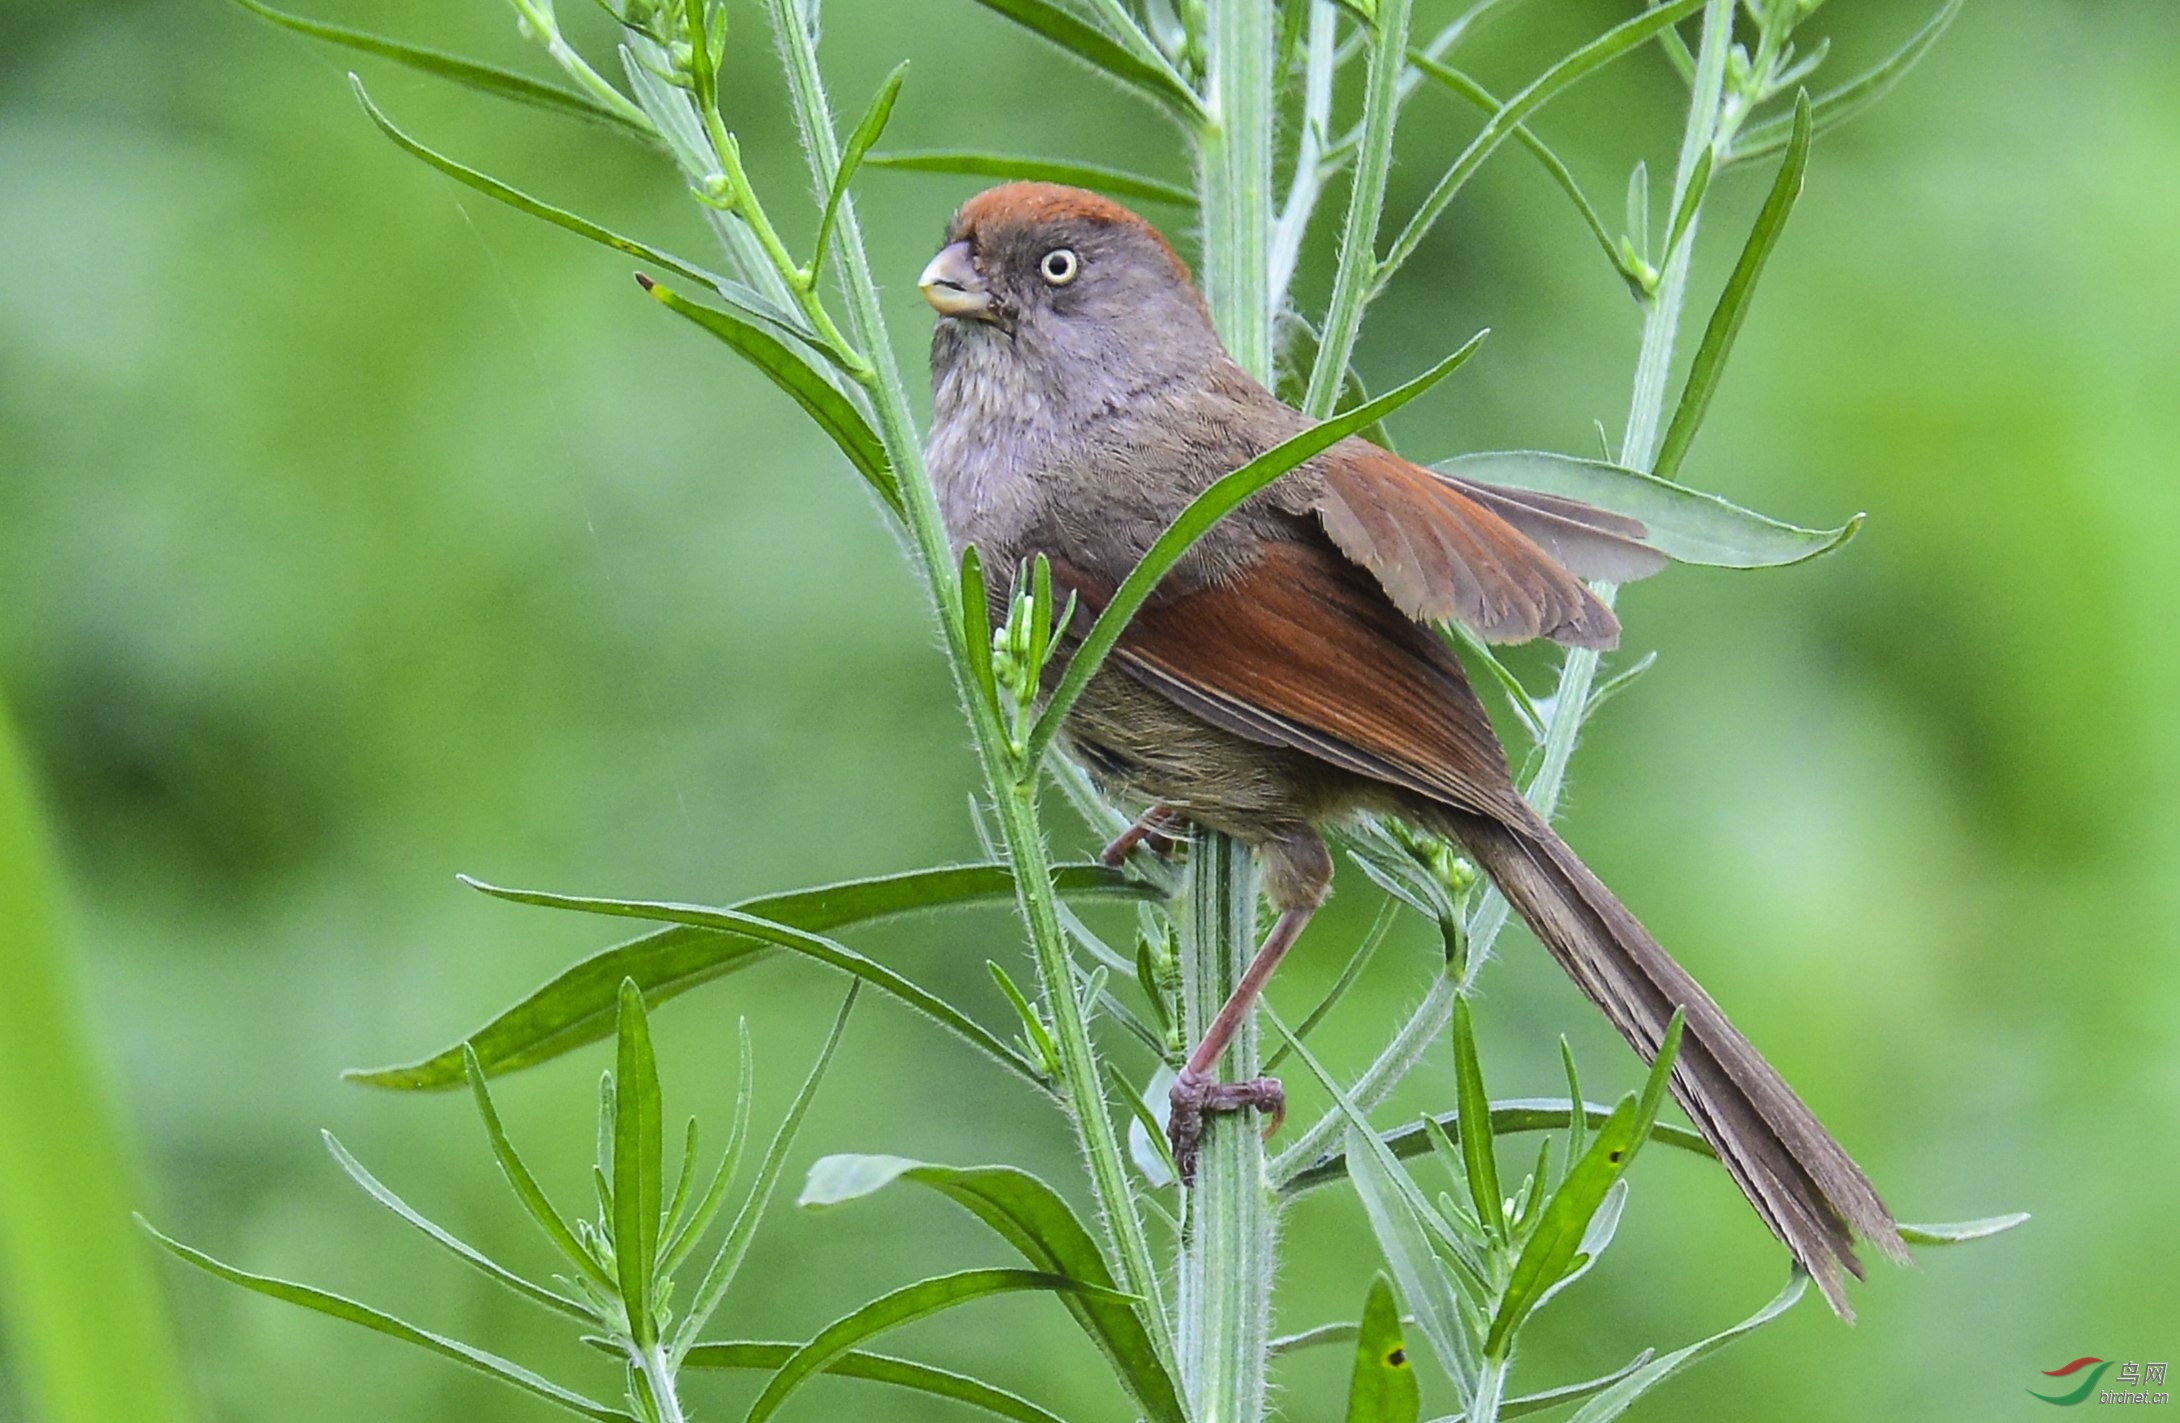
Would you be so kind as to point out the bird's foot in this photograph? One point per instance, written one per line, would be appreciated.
(1195, 1097)
(1153, 831)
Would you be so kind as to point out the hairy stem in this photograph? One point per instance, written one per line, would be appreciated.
(1227, 1249)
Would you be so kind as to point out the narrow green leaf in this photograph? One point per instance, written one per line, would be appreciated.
(1383, 1387)
(485, 78)
(340, 1308)
(904, 1306)
(1398, 1226)
(719, 1275)
(1614, 1401)
(1480, 97)
(851, 157)
(523, 202)
(819, 398)
(1012, 167)
(1100, 51)
(684, 1181)
(1033, 1028)
(527, 1190)
(468, 1255)
(1597, 53)
(1960, 1231)
(1733, 303)
(976, 629)
(1147, 1143)
(801, 941)
(1205, 510)
(877, 1368)
(1699, 183)
(580, 1004)
(1030, 1216)
(1552, 1252)
(638, 1167)
(1576, 1121)
(1508, 1115)
(1478, 1157)
(1565, 1394)
(1836, 106)
(1683, 523)
(1474, 650)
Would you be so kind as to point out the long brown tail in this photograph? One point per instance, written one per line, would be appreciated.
(1806, 1188)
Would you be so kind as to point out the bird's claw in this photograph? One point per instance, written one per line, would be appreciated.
(1195, 1097)
(1150, 832)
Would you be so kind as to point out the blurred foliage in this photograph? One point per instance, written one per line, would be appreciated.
(354, 532)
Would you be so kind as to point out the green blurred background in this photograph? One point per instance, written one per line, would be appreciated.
(355, 532)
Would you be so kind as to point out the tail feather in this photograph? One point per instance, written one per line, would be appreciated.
(1802, 1184)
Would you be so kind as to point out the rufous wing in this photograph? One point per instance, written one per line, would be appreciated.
(1302, 650)
(1446, 549)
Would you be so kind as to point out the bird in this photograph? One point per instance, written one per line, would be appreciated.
(1286, 674)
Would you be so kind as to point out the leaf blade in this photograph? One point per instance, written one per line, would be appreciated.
(637, 1164)
(903, 1306)
(469, 73)
(1733, 303)
(1115, 182)
(1615, 1400)
(1030, 1216)
(816, 946)
(1686, 524)
(1100, 51)
(877, 1368)
(1837, 106)
(343, 1308)
(803, 383)
(1383, 1387)
(579, 1005)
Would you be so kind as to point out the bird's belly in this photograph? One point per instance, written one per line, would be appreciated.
(1140, 747)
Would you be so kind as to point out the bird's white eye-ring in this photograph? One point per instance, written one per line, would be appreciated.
(1060, 266)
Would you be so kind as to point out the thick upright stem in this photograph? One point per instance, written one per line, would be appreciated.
(1013, 793)
(1227, 1248)
(1227, 1257)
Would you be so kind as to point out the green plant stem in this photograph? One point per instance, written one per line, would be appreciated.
(658, 1377)
(1013, 792)
(1228, 1246)
(1228, 1255)
(1310, 168)
(1578, 673)
(1358, 269)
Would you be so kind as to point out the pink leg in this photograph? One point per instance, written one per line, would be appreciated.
(1150, 829)
(1195, 1092)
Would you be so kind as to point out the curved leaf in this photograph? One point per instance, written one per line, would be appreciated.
(904, 1306)
(1687, 524)
(1615, 1400)
(1030, 1216)
(1100, 51)
(878, 1368)
(1383, 1388)
(1961, 1231)
(467, 1254)
(1222, 498)
(485, 78)
(1015, 167)
(578, 1006)
(1836, 106)
(522, 202)
(866, 133)
(339, 1307)
(817, 946)
(1508, 1115)
(1733, 303)
(820, 399)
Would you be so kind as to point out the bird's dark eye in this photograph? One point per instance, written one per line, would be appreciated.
(1060, 266)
